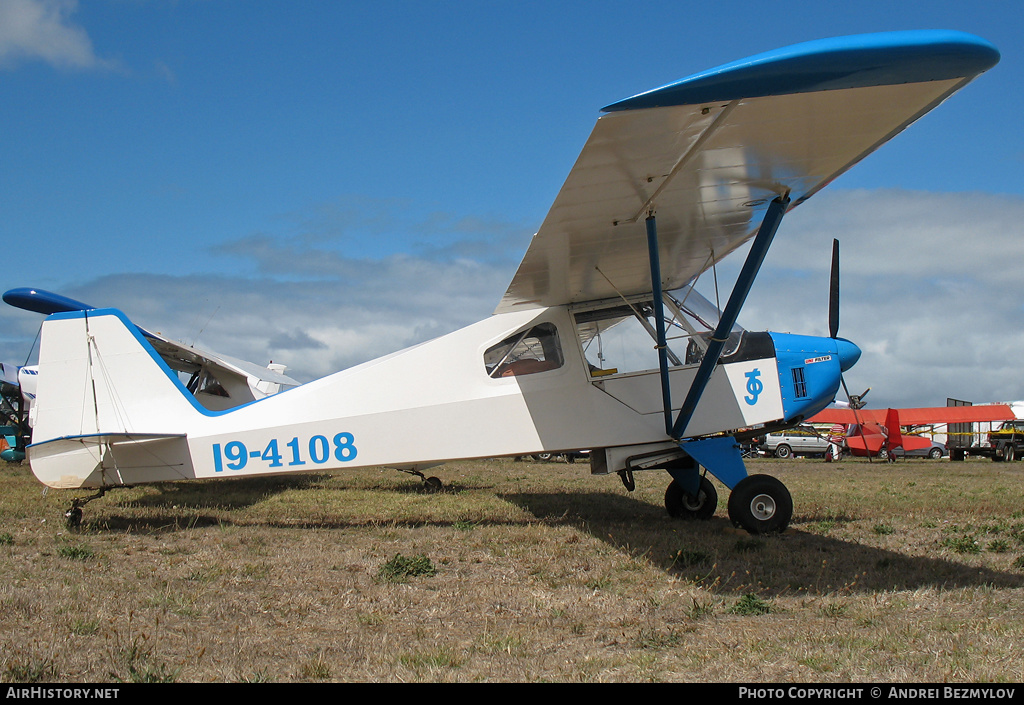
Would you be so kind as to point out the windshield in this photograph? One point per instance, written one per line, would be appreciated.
(617, 336)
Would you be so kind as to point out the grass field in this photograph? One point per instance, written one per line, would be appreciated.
(518, 571)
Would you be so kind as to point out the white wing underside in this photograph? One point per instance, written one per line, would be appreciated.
(707, 172)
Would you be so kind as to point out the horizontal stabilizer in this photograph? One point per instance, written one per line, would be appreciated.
(110, 459)
(99, 439)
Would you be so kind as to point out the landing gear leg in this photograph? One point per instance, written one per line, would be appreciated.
(761, 504)
(627, 479)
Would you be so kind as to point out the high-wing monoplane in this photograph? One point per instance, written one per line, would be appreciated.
(669, 182)
(880, 432)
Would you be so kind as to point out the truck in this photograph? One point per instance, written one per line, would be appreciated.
(1007, 441)
(982, 438)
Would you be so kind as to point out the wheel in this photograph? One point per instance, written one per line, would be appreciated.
(1010, 454)
(783, 451)
(542, 457)
(682, 504)
(73, 517)
(935, 454)
(883, 454)
(761, 504)
(432, 485)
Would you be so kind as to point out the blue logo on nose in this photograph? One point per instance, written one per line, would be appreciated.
(754, 386)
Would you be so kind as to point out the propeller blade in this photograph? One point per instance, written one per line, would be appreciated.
(855, 404)
(833, 293)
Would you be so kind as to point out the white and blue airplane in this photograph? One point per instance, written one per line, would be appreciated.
(669, 182)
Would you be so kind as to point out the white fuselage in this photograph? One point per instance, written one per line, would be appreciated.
(417, 407)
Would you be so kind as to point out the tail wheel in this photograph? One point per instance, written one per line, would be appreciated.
(73, 517)
(432, 485)
(682, 504)
(761, 504)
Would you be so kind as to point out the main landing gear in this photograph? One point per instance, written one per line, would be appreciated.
(683, 505)
(760, 504)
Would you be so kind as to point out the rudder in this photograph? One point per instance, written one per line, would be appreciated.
(107, 405)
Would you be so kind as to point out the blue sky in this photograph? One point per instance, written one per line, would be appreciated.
(323, 182)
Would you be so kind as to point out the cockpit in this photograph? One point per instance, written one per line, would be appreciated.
(620, 336)
(534, 350)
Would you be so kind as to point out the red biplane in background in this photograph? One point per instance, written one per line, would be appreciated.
(872, 431)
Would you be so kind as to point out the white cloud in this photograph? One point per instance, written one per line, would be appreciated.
(930, 290)
(42, 30)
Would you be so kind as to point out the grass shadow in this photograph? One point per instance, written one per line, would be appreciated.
(229, 493)
(731, 560)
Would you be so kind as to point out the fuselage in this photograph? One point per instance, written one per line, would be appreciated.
(458, 396)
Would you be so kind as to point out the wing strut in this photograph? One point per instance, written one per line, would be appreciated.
(752, 265)
(659, 317)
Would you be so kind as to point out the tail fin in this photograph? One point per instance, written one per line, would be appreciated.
(108, 409)
(894, 439)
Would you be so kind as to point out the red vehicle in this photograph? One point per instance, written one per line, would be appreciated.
(878, 431)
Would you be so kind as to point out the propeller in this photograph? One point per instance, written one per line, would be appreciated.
(856, 400)
(833, 293)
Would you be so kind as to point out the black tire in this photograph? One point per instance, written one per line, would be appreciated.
(883, 454)
(1010, 453)
(73, 517)
(783, 451)
(935, 454)
(542, 457)
(432, 485)
(683, 505)
(761, 504)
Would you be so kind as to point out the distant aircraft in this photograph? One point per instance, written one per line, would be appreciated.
(669, 182)
(876, 432)
(16, 394)
(216, 381)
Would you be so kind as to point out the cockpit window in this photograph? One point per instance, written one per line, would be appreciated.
(617, 337)
(534, 350)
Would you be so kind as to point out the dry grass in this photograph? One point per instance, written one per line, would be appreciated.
(518, 572)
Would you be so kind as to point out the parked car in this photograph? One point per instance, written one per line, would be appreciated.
(569, 456)
(934, 452)
(802, 440)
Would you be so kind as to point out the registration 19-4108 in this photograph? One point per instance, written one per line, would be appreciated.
(235, 455)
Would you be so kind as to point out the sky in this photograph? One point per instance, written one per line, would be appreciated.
(321, 183)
